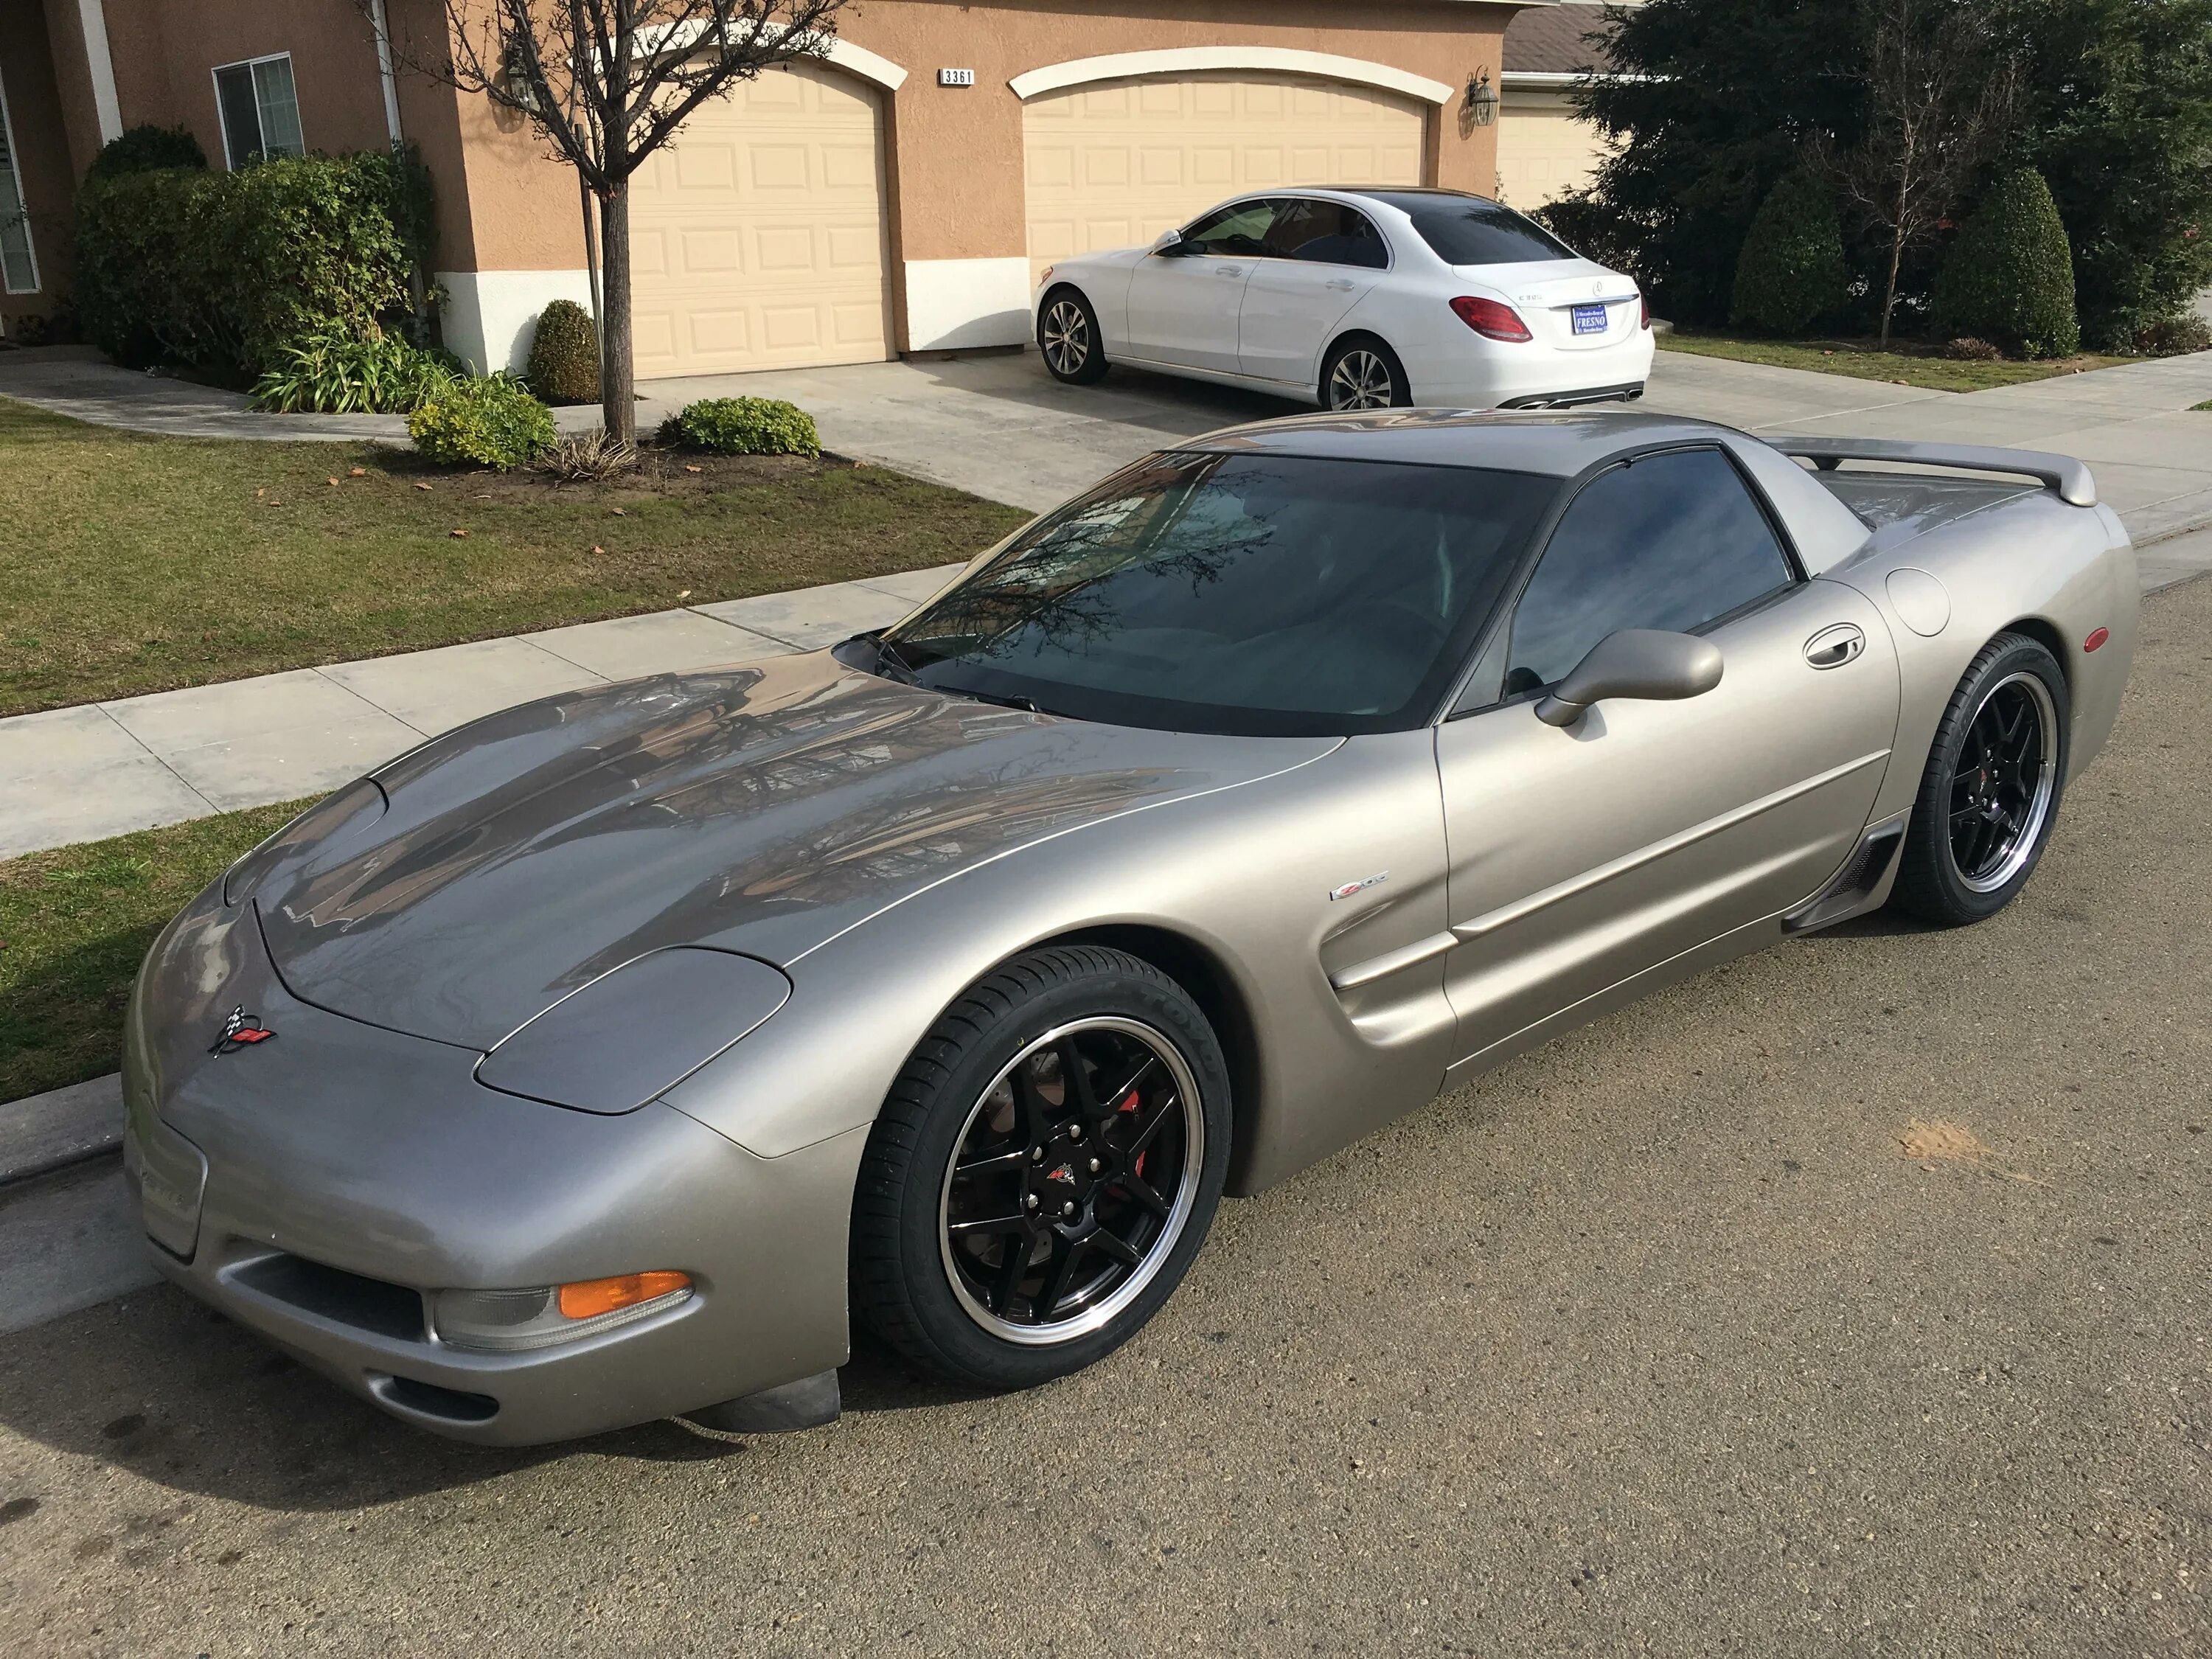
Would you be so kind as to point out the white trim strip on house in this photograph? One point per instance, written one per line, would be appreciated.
(1537, 79)
(19, 261)
(1183, 60)
(382, 26)
(106, 108)
(957, 304)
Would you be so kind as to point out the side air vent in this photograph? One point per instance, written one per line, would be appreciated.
(1852, 885)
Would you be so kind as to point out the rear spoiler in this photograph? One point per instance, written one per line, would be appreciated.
(2061, 473)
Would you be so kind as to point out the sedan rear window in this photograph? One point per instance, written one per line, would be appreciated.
(1467, 231)
(1262, 595)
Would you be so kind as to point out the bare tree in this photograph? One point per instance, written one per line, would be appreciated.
(607, 83)
(1939, 99)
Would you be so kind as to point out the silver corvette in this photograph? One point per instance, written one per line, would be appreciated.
(606, 1059)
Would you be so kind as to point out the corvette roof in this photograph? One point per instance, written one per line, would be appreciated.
(1559, 444)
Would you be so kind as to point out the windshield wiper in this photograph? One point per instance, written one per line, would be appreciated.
(887, 657)
(1022, 703)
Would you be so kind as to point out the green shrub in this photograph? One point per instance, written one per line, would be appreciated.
(222, 271)
(146, 148)
(343, 375)
(1791, 270)
(2010, 274)
(564, 355)
(745, 426)
(493, 422)
(2169, 336)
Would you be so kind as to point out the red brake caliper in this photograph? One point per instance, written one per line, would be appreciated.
(1130, 1105)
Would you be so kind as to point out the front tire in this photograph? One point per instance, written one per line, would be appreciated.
(1044, 1170)
(1362, 372)
(1990, 795)
(1068, 338)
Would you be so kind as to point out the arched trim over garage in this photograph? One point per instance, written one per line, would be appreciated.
(1180, 60)
(841, 53)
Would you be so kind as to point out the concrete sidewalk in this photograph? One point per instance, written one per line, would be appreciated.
(99, 769)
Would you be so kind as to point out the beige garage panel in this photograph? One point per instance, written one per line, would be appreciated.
(1544, 150)
(1116, 162)
(757, 239)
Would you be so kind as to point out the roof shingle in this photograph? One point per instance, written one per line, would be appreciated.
(1548, 41)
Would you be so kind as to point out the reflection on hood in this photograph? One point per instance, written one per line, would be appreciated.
(763, 809)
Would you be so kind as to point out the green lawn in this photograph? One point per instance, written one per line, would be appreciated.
(75, 922)
(1905, 363)
(136, 564)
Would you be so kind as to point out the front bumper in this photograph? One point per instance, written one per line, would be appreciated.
(315, 1187)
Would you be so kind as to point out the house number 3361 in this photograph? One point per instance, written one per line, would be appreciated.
(956, 77)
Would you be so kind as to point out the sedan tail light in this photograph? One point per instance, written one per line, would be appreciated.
(1492, 319)
(1642, 310)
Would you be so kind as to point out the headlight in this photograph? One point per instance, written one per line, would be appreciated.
(637, 1031)
(512, 1321)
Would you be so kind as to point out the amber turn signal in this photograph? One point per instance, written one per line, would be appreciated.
(588, 1298)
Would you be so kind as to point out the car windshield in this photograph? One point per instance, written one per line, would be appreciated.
(1259, 595)
(1466, 230)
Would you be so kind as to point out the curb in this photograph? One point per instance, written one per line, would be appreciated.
(49, 1132)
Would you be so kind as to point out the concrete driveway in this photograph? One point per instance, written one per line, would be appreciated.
(1656, 1341)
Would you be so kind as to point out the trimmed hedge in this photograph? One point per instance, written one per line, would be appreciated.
(494, 422)
(146, 148)
(221, 271)
(1791, 270)
(2010, 274)
(564, 355)
(745, 426)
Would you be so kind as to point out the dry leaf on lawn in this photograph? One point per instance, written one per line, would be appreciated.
(688, 467)
(332, 482)
(357, 472)
(421, 486)
(459, 533)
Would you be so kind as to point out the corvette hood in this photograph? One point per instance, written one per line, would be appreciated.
(760, 809)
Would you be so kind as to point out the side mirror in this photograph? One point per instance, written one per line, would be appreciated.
(1169, 244)
(1634, 662)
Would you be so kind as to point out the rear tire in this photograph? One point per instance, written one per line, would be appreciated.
(1362, 372)
(1044, 1170)
(1990, 794)
(1068, 338)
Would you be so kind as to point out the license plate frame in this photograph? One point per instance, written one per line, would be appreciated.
(1591, 318)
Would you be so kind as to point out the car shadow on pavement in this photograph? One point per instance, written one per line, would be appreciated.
(178, 1395)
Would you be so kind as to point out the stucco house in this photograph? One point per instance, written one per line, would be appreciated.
(894, 199)
(1544, 150)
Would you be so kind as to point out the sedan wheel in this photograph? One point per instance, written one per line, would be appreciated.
(1067, 338)
(1044, 1170)
(1363, 374)
(1990, 795)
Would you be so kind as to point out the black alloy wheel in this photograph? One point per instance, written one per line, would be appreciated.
(1990, 795)
(1044, 1170)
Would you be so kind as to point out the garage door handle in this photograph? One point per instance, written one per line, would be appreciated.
(1832, 647)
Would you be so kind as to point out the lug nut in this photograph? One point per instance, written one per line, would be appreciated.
(1094, 1166)
(1068, 1209)
(1075, 1132)
(1036, 1154)
(1029, 1202)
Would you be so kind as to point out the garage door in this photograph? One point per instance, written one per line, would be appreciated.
(1115, 163)
(757, 239)
(1544, 149)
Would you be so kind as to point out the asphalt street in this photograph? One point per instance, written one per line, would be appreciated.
(1852, 1300)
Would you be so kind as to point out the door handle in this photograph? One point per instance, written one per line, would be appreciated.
(1343, 285)
(1832, 647)
(1229, 270)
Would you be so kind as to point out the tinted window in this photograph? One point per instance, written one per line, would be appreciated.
(1671, 541)
(1327, 233)
(1239, 228)
(1464, 230)
(1237, 593)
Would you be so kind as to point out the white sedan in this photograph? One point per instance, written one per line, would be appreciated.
(1365, 299)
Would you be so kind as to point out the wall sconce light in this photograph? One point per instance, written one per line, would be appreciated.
(520, 92)
(1481, 97)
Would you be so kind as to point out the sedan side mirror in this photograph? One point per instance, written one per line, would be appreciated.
(1169, 244)
(1634, 662)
